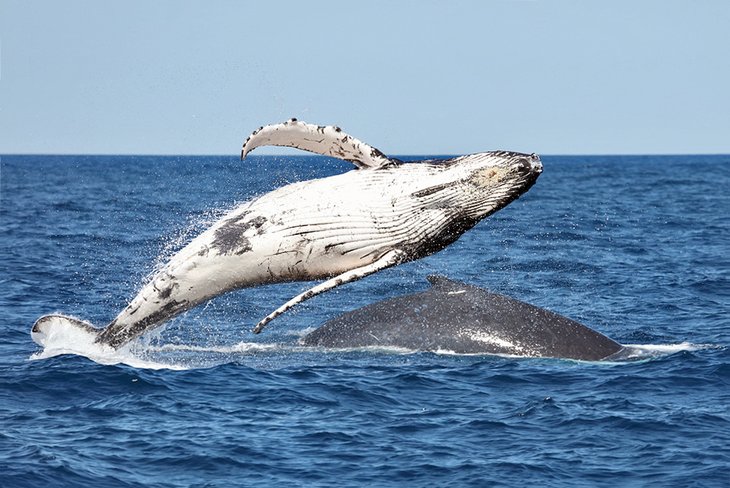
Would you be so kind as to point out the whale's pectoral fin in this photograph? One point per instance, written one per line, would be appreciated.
(321, 139)
(391, 258)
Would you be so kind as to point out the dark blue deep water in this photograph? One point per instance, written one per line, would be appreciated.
(635, 247)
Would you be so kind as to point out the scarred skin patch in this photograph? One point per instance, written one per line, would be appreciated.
(489, 176)
(230, 238)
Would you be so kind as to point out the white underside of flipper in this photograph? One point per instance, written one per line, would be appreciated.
(326, 140)
(390, 258)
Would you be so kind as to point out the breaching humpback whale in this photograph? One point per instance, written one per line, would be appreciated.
(460, 318)
(340, 228)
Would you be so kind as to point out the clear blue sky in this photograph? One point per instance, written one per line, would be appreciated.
(409, 77)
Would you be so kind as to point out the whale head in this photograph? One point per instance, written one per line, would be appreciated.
(469, 188)
(495, 179)
(477, 185)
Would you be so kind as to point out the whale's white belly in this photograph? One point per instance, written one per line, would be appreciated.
(304, 231)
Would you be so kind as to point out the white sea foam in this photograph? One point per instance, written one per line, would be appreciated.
(371, 349)
(650, 351)
(670, 348)
(104, 355)
(240, 348)
(144, 354)
(64, 339)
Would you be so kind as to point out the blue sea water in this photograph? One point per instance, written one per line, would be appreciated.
(635, 247)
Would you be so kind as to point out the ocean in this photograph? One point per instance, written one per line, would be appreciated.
(636, 247)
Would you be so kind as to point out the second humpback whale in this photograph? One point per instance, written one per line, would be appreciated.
(464, 319)
(340, 228)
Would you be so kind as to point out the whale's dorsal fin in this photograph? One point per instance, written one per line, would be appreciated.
(444, 283)
(326, 140)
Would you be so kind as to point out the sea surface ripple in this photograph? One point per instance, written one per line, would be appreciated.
(634, 246)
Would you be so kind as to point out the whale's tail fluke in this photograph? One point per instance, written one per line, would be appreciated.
(54, 327)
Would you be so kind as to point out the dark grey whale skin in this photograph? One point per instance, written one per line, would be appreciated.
(453, 316)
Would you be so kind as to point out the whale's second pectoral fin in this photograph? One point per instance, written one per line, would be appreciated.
(391, 258)
(326, 140)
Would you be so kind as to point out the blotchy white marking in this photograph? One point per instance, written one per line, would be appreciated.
(509, 347)
(456, 292)
(490, 339)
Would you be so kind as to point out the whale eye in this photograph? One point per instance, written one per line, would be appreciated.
(524, 165)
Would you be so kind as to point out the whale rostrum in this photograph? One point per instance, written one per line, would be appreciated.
(337, 229)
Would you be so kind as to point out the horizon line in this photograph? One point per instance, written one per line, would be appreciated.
(308, 155)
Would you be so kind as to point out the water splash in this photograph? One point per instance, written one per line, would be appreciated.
(61, 340)
(147, 353)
